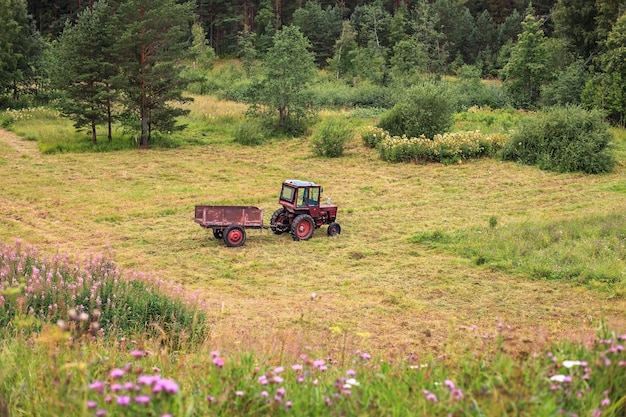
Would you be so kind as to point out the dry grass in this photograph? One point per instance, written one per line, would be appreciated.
(374, 289)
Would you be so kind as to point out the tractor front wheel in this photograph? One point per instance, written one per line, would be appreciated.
(279, 222)
(334, 229)
(302, 227)
(234, 236)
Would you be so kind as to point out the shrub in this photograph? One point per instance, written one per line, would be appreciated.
(563, 139)
(446, 148)
(428, 110)
(330, 138)
(250, 133)
(372, 136)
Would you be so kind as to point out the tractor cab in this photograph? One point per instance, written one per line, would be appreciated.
(302, 212)
(301, 196)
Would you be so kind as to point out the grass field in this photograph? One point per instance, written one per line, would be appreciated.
(376, 286)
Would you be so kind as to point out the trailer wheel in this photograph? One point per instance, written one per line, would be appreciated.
(334, 229)
(279, 222)
(218, 233)
(234, 236)
(302, 227)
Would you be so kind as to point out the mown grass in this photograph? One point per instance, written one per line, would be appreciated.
(385, 292)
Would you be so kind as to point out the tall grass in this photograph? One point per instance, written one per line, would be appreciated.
(588, 250)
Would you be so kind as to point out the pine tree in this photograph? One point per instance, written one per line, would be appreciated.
(151, 48)
(20, 47)
(83, 69)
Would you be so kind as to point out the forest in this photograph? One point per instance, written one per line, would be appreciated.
(106, 62)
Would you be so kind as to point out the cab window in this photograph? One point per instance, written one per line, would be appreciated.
(314, 197)
(302, 197)
(287, 194)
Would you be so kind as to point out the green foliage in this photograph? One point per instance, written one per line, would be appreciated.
(565, 140)
(250, 133)
(330, 137)
(525, 70)
(447, 148)
(20, 48)
(372, 136)
(288, 67)
(427, 109)
(567, 86)
(322, 27)
(150, 47)
(201, 51)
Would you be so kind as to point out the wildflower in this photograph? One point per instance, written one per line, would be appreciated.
(281, 391)
(448, 383)
(218, 361)
(215, 353)
(318, 363)
(137, 353)
(263, 380)
(265, 394)
(315, 382)
(97, 385)
(239, 393)
(571, 364)
(166, 385)
(279, 369)
(300, 379)
(351, 372)
(297, 367)
(92, 404)
(101, 413)
(365, 356)
(148, 379)
(117, 373)
(430, 396)
(142, 399)
(288, 404)
(116, 387)
(210, 398)
(605, 402)
(352, 382)
(558, 378)
(123, 400)
(277, 380)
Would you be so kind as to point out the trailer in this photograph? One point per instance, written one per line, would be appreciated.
(230, 222)
(300, 214)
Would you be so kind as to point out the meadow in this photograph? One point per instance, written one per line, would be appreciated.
(433, 262)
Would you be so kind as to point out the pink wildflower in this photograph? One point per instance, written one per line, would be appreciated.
(117, 373)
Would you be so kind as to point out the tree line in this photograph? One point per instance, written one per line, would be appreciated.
(124, 60)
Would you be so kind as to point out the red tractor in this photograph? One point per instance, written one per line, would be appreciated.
(301, 212)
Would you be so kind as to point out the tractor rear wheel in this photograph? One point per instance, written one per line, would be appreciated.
(279, 222)
(218, 233)
(334, 229)
(234, 236)
(302, 227)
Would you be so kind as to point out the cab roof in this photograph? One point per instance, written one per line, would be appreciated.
(300, 183)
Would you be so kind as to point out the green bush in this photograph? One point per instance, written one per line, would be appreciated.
(447, 148)
(250, 133)
(563, 139)
(427, 109)
(372, 136)
(330, 138)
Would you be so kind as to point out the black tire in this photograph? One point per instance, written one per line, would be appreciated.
(302, 227)
(279, 222)
(218, 233)
(234, 236)
(334, 229)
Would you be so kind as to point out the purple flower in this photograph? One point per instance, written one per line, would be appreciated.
(101, 413)
(117, 373)
(430, 396)
(97, 385)
(142, 399)
(288, 404)
(365, 356)
(277, 380)
(605, 402)
(297, 367)
(265, 394)
(215, 353)
(166, 385)
(448, 383)
(281, 391)
(218, 361)
(148, 379)
(92, 404)
(279, 369)
(137, 353)
(123, 400)
(351, 372)
(116, 387)
(318, 363)
(239, 393)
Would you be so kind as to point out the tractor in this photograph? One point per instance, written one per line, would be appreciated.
(301, 212)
